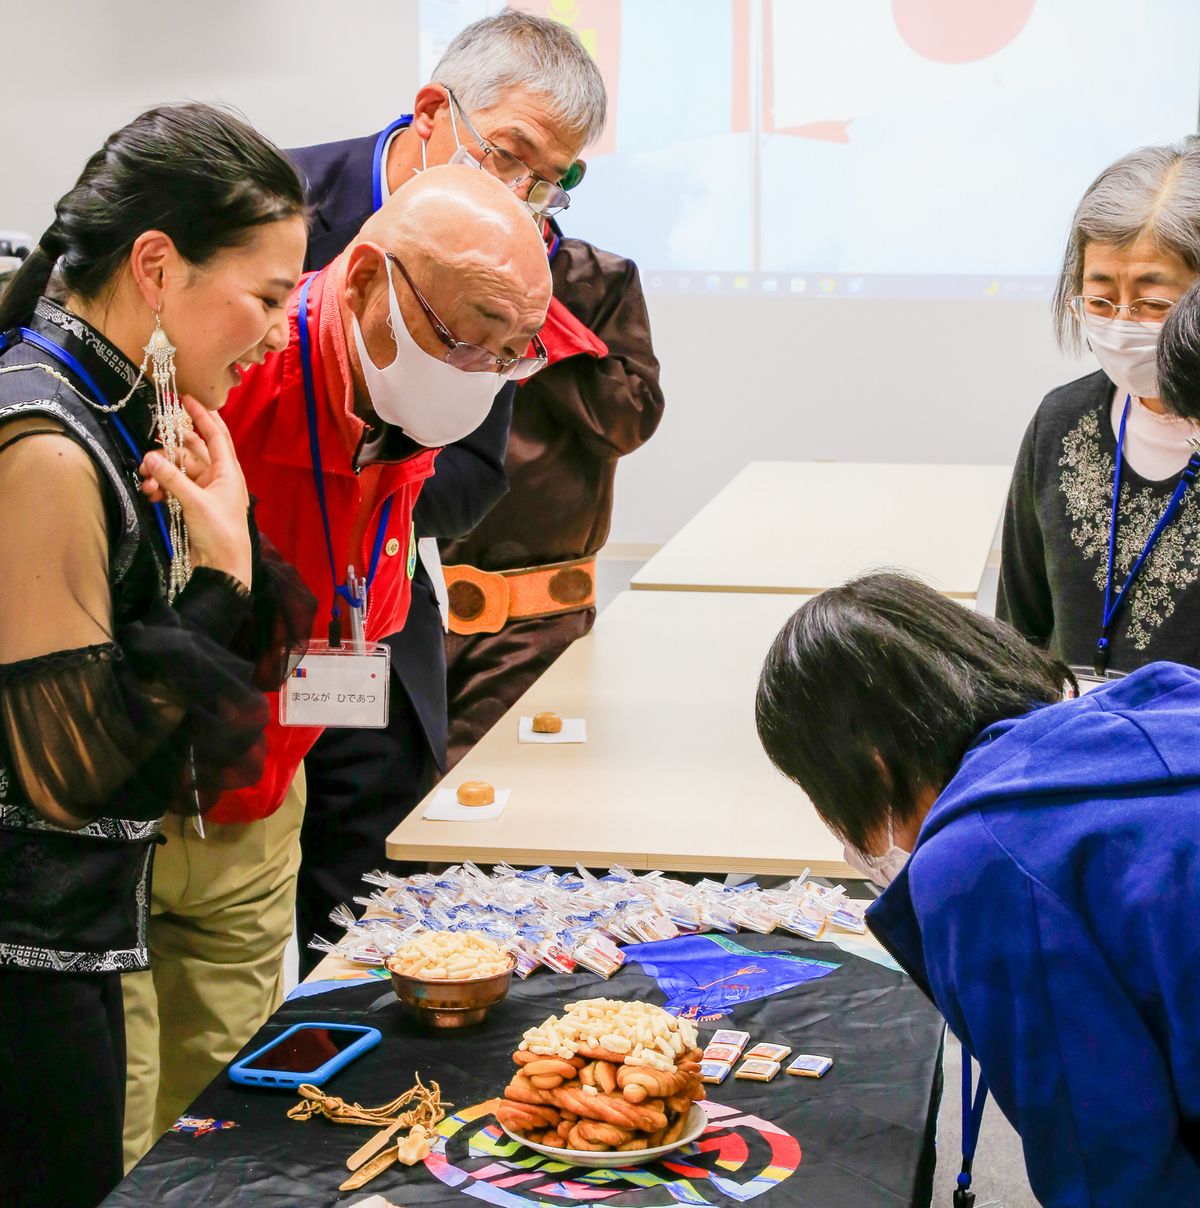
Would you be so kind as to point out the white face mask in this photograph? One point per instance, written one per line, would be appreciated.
(432, 402)
(1127, 352)
(461, 154)
(879, 870)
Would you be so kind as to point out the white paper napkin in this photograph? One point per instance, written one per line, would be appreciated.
(445, 808)
(574, 729)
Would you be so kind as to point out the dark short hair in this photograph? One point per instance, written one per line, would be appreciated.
(1179, 356)
(195, 172)
(873, 691)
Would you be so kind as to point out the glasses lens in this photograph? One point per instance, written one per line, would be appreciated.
(526, 367)
(1093, 310)
(470, 358)
(1150, 310)
(574, 175)
(547, 198)
(507, 167)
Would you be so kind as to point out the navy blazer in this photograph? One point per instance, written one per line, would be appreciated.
(469, 477)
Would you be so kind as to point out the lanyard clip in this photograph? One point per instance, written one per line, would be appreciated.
(964, 1197)
(1100, 663)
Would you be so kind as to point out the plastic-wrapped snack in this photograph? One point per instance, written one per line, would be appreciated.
(752, 917)
(554, 956)
(811, 1065)
(757, 1070)
(769, 1052)
(545, 918)
(599, 954)
(714, 1071)
(526, 957)
(729, 1053)
(807, 926)
(848, 920)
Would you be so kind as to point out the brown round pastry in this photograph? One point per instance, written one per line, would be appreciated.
(476, 792)
(547, 723)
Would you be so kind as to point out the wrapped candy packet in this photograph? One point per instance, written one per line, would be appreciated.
(564, 921)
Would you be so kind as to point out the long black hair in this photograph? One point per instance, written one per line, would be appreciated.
(1179, 356)
(873, 691)
(195, 172)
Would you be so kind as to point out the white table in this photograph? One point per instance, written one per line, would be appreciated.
(672, 775)
(802, 527)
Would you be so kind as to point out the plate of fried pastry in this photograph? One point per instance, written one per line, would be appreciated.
(607, 1084)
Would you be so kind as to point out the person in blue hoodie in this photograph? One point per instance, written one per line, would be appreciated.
(1050, 906)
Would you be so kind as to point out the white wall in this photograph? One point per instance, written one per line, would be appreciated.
(745, 378)
(855, 380)
(303, 71)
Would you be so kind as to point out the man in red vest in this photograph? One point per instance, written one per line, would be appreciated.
(519, 96)
(396, 348)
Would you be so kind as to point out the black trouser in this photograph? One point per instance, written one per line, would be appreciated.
(487, 673)
(62, 1088)
(361, 785)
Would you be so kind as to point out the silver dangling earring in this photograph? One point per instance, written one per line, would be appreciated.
(171, 422)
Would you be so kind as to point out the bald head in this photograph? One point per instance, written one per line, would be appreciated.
(472, 250)
(456, 211)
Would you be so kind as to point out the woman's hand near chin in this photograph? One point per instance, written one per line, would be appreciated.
(212, 493)
(197, 465)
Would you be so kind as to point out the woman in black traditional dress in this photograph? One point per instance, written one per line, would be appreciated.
(140, 619)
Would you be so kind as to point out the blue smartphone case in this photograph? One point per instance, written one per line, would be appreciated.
(290, 1079)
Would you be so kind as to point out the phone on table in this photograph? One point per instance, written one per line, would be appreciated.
(306, 1052)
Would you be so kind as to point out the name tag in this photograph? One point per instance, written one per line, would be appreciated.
(345, 686)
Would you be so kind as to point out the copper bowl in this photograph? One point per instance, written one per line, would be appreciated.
(457, 1002)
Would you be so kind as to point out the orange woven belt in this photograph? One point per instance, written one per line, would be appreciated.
(483, 601)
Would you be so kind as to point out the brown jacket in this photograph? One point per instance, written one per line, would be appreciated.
(571, 423)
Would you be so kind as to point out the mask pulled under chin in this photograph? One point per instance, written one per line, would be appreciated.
(430, 401)
(1127, 352)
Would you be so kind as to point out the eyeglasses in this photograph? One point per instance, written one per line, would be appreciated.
(545, 196)
(1101, 310)
(470, 358)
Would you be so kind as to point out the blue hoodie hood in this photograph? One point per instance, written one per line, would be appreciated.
(1130, 735)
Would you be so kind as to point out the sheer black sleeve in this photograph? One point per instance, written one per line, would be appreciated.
(129, 720)
(275, 635)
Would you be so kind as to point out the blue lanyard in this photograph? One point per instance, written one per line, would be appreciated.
(314, 448)
(972, 1120)
(401, 123)
(1113, 606)
(71, 362)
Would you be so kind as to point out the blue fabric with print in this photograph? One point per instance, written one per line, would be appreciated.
(706, 976)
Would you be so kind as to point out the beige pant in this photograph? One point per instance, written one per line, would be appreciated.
(222, 911)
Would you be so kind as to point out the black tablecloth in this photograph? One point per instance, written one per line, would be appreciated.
(862, 1135)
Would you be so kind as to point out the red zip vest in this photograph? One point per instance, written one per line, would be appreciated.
(266, 416)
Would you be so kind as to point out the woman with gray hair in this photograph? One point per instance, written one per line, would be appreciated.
(1101, 549)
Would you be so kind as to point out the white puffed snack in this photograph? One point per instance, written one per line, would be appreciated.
(644, 1034)
(450, 956)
